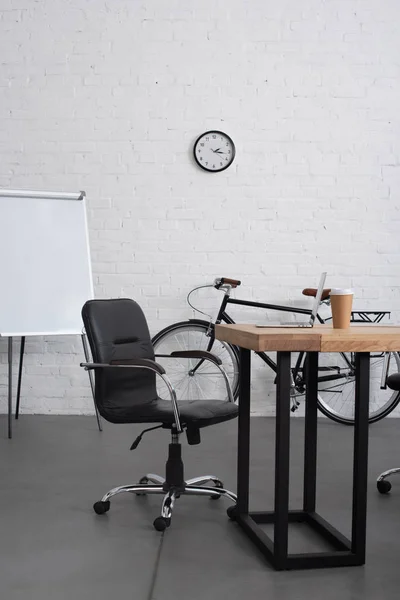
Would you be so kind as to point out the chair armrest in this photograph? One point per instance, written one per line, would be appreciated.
(142, 363)
(192, 354)
(92, 366)
(128, 362)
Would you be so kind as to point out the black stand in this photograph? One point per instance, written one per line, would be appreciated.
(345, 552)
(10, 353)
(21, 362)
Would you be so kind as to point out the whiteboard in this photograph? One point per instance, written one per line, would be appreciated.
(45, 268)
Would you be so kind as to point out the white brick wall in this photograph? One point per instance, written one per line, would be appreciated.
(110, 96)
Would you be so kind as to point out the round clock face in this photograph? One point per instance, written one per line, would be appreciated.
(214, 151)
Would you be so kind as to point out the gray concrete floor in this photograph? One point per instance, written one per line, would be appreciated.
(53, 546)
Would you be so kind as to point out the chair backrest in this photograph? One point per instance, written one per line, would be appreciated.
(117, 329)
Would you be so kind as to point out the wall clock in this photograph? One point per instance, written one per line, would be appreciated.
(214, 151)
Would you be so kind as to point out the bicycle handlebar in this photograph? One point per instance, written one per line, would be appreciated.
(226, 281)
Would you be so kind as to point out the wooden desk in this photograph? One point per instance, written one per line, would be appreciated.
(360, 339)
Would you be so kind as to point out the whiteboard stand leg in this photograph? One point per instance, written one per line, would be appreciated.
(10, 357)
(21, 362)
(87, 357)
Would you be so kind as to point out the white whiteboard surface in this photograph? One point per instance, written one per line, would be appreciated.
(45, 269)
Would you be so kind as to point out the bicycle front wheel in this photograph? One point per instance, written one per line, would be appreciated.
(336, 388)
(195, 379)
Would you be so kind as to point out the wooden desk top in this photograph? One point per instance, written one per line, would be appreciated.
(321, 338)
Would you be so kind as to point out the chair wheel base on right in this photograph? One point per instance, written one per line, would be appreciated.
(382, 484)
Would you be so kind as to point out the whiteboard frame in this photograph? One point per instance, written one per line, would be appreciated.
(45, 195)
(79, 196)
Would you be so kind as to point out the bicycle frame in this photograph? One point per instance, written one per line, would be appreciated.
(223, 317)
(335, 371)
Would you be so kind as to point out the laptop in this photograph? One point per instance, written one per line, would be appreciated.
(310, 322)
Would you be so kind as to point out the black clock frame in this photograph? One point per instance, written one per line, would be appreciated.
(209, 133)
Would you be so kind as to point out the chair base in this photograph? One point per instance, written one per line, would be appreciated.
(382, 484)
(157, 485)
(172, 486)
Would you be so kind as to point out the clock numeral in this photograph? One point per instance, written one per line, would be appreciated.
(221, 164)
(202, 144)
(214, 137)
(207, 139)
(201, 158)
(229, 151)
(227, 144)
(206, 163)
(213, 166)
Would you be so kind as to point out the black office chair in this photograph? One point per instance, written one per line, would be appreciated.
(125, 392)
(384, 486)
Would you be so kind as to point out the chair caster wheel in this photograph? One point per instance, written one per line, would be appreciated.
(161, 523)
(142, 481)
(384, 486)
(101, 507)
(232, 512)
(219, 485)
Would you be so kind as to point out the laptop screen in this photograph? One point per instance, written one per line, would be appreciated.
(317, 299)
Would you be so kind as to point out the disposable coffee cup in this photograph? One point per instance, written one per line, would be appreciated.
(341, 304)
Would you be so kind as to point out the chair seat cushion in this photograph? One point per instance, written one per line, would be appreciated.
(393, 381)
(207, 412)
(200, 413)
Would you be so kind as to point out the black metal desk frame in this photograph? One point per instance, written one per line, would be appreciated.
(345, 552)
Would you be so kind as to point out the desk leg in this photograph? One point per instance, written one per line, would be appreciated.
(10, 357)
(360, 468)
(244, 433)
(310, 432)
(345, 552)
(282, 454)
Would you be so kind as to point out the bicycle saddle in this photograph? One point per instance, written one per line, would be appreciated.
(313, 292)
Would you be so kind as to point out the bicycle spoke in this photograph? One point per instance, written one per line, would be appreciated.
(202, 394)
(181, 346)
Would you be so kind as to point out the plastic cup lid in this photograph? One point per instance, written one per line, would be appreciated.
(341, 291)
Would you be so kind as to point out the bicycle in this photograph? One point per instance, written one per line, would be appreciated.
(336, 381)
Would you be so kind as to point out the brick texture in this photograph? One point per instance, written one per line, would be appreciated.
(109, 97)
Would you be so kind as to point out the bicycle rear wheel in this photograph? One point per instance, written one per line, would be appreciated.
(194, 379)
(336, 397)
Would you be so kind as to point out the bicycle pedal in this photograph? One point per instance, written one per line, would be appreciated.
(295, 405)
